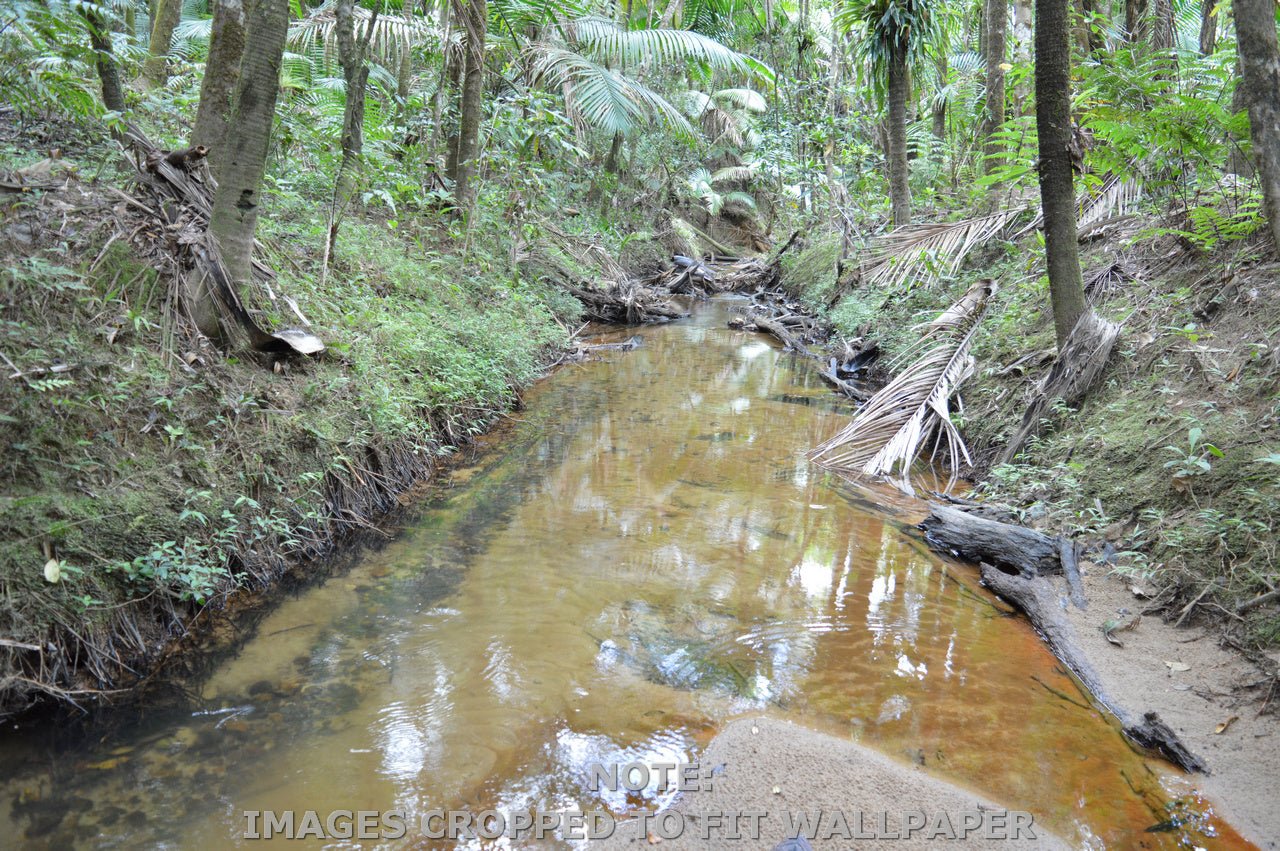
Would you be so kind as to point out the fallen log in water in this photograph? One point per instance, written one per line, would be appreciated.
(627, 304)
(772, 326)
(1037, 597)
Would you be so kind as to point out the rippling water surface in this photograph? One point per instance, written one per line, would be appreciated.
(644, 555)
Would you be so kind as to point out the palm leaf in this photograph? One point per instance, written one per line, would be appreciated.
(602, 40)
(599, 97)
(887, 436)
(923, 252)
(390, 32)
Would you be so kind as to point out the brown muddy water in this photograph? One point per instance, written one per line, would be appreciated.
(644, 555)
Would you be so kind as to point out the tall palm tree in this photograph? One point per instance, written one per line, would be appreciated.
(893, 35)
(1057, 180)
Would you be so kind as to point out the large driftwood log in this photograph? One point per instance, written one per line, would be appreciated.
(1038, 599)
(777, 329)
(625, 305)
(978, 539)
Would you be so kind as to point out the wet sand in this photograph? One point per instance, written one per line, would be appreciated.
(766, 765)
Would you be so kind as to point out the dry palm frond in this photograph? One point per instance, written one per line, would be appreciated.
(959, 313)
(923, 252)
(1114, 197)
(1072, 376)
(1099, 285)
(890, 432)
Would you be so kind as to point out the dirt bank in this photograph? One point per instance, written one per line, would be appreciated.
(776, 767)
(1199, 688)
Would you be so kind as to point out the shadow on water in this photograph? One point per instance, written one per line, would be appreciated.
(643, 556)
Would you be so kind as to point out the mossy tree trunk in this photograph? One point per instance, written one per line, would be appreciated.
(1021, 51)
(104, 59)
(355, 73)
(167, 15)
(1057, 181)
(1260, 62)
(221, 73)
(899, 176)
(1208, 27)
(1135, 12)
(997, 20)
(474, 16)
(236, 205)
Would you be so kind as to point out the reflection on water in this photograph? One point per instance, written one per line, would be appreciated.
(645, 555)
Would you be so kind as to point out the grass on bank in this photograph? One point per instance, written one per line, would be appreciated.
(146, 475)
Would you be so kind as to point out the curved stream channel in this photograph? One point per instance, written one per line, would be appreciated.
(643, 556)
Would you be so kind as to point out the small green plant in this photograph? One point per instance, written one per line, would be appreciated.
(1192, 459)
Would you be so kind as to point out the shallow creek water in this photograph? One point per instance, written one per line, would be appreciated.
(642, 556)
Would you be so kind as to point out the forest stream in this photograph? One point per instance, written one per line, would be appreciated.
(643, 554)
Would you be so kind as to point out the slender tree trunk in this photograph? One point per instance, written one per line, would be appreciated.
(235, 207)
(167, 15)
(1021, 51)
(1057, 182)
(104, 59)
(1260, 60)
(475, 17)
(899, 176)
(830, 150)
(444, 94)
(356, 75)
(1237, 162)
(1208, 27)
(1162, 25)
(1135, 12)
(221, 73)
(997, 28)
(615, 154)
(404, 63)
(939, 106)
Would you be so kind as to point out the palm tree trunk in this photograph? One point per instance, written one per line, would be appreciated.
(168, 14)
(1057, 182)
(1208, 27)
(475, 17)
(221, 73)
(997, 28)
(235, 207)
(104, 58)
(899, 177)
(1260, 60)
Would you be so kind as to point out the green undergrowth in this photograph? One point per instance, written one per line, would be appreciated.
(148, 475)
(1174, 459)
